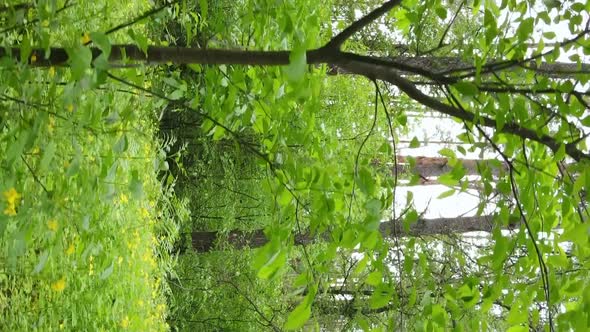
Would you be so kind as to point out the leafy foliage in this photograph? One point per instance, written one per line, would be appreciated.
(293, 175)
(86, 224)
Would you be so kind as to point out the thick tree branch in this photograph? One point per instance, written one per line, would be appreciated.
(389, 75)
(435, 68)
(370, 68)
(155, 55)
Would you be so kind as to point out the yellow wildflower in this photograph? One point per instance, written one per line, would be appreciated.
(91, 266)
(70, 249)
(52, 224)
(123, 198)
(85, 38)
(51, 125)
(59, 285)
(11, 196)
(125, 322)
(10, 211)
(144, 212)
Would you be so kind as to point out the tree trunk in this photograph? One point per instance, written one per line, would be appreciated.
(206, 241)
(436, 166)
(446, 65)
(404, 65)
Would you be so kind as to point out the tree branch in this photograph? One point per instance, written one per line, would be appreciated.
(336, 42)
(389, 75)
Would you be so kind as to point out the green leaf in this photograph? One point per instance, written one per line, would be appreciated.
(441, 12)
(25, 49)
(349, 238)
(411, 217)
(446, 194)
(107, 272)
(48, 154)
(140, 39)
(16, 148)
(560, 154)
(374, 278)
(204, 7)
(518, 328)
(299, 316)
(370, 240)
(135, 185)
(525, 29)
(42, 261)
(102, 42)
(439, 315)
(381, 296)
(385, 148)
(74, 167)
(579, 234)
(415, 143)
(365, 181)
(448, 179)
(446, 152)
(121, 145)
(80, 59)
(176, 94)
(284, 198)
(373, 207)
(466, 88)
(297, 65)
(272, 265)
